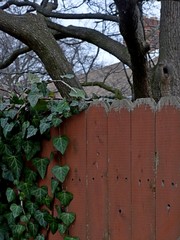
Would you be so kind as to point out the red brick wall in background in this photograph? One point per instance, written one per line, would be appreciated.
(125, 170)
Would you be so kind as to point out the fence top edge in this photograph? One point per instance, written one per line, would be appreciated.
(126, 104)
(150, 102)
(168, 101)
(100, 103)
(121, 104)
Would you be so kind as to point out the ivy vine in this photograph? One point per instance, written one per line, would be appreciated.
(25, 206)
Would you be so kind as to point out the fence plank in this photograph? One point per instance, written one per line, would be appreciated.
(119, 170)
(75, 157)
(97, 205)
(168, 174)
(143, 196)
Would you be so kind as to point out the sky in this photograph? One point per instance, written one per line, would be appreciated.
(151, 9)
(154, 11)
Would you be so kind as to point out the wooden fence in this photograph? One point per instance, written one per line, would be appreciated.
(125, 170)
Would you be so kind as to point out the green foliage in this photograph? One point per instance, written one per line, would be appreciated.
(60, 172)
(71, 238)
(77, 93)
(41, 165)
(65, 197)
(25, 206)
(61, 143)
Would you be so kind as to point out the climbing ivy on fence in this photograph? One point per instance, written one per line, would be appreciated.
(25, 206)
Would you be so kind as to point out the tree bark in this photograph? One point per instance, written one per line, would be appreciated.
(167, 72)
(132, 30)
(32, 30)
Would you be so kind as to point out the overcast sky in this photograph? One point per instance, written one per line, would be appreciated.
(151, 11)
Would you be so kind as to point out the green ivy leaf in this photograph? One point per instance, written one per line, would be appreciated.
(62, 228)
(34, 95)
(67, 218)
(71, 238)
(7, 174)
(31, 148)
(5, 149)
(42, 86)
(16, 210)
(25, 218)
(41, 106)
(40, 237)
(56, 122)
(44, 126)
(33, 228)
(3, 106)
(39, 216)
(18, 230)
(10, 219)
(53, 226)
(74, 103)
(60, 172)
(31, 206)
(11, 113)
(47, 201)
(10, 194)
(50, 117)
(25, 189)
(15, 164)
(60, 107)
(77, 93)
(7, 128)
(41, 165)
(3, 122)
(16, 142)
(54, 185)
(61, 143)
(33, 78)
(31, 131)
(65, 197)
(30, 175)
(48, 217)
(39, 193)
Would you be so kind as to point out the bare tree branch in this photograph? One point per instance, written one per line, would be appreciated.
(94, 37)
(47, 11)
(115, 91)
(13, 56)
(82, 16)
(94, 59)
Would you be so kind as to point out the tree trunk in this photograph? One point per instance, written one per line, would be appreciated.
(32, 30)
(133, 33)
(167, 72)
